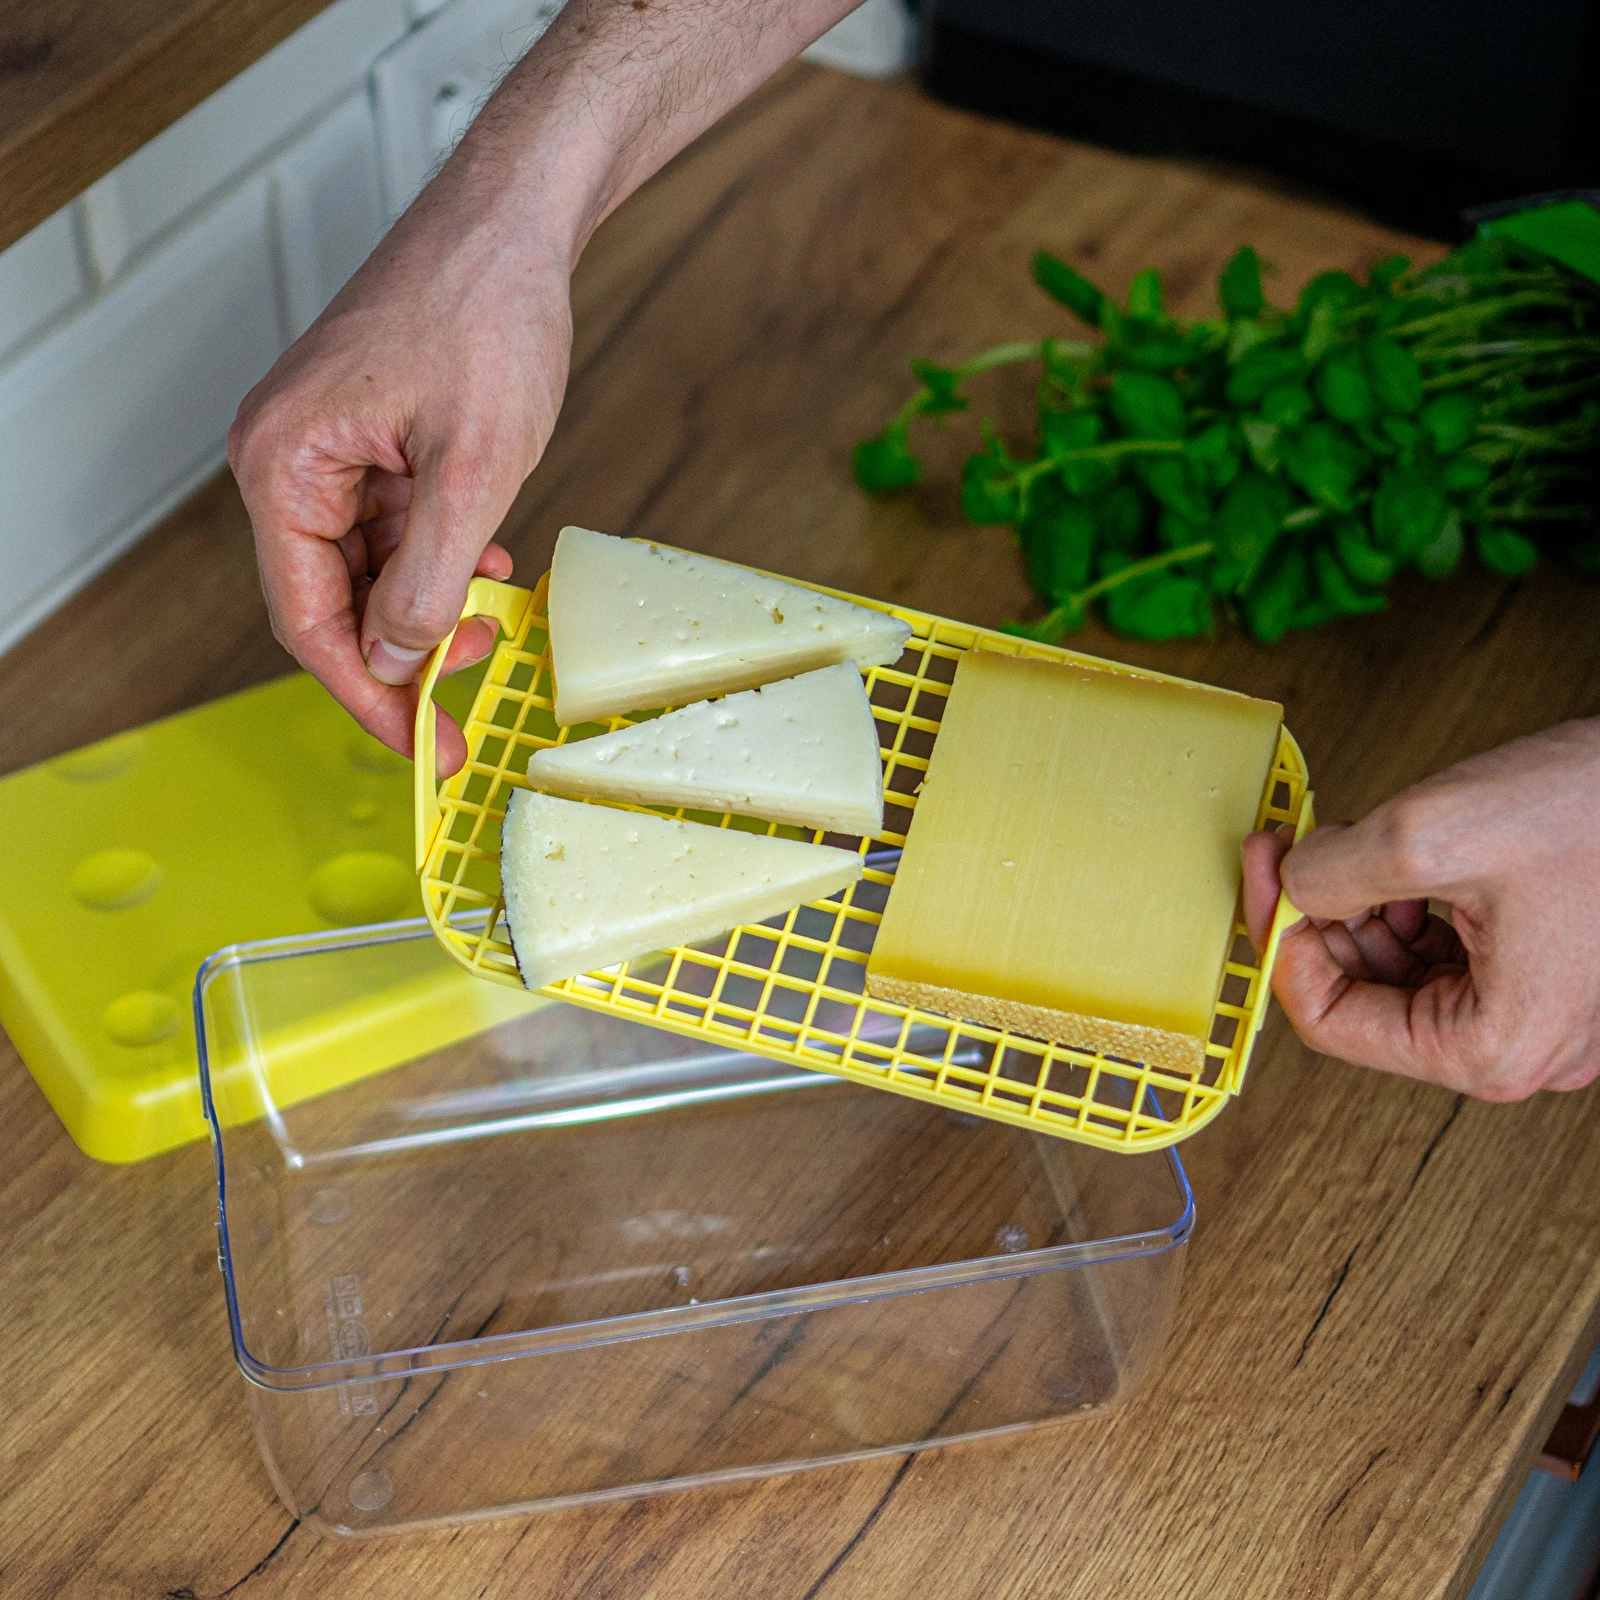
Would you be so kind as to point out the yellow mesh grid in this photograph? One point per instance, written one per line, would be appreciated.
(793, 988)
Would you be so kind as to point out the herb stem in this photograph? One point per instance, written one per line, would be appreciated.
(1474, 311)
(1002, 355)
(1142, 569)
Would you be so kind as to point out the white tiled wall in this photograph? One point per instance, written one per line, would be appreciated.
(107, 424)
(133, 322)
(228, 133)
(41, 276)
(329, 203)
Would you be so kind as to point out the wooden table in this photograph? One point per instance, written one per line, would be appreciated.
(1391, 1288)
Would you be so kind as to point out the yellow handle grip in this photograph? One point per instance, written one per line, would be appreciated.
(1285, 916)
(506, 604)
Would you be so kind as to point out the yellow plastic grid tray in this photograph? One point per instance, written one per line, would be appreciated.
(793, 989)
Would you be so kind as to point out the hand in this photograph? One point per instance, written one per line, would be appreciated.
(1501, 1000)
(379, 455)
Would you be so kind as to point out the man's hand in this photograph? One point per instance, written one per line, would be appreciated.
(378, 457)
(1501, 1000)
(380, 454)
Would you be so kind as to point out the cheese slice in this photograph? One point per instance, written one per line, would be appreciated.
(1072, 866)
(804, 750)
(587, 886)
(634, 626)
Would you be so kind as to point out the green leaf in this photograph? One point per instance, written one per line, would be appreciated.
(1377, 441)
(1147, 407)
(1261, 439)
(1261, 369)
(1170, 480)
(1239, 287)
(1383, 273)
(1443, 556)
(1175, 531)
(1322, 330)
(1057, 538)
(1407, 511)
(990, 494)
(1249, 517)
(1061, 433)
(885, 461)
(1344, 389)
(1336, 289)
(1213, 453)
(1462, 474)
(1119, 518)
(1450, 421)
(1070, 288)
(1396, 377)
(1159, 353)
(1163, 606)
(1365, 564)
(1506, 552)
(1064, 431)
(1270, 603)
(1288, 404)
(1327, 463)
(1144, 294)
(1401, 432)
(1243, 337)
(938, 388)
(1335, 588)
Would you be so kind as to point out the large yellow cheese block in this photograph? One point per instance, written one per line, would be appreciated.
(1072, 867)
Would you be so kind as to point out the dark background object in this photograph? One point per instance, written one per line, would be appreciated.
(1411, 109)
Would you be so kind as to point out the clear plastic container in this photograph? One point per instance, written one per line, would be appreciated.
(566, 1257)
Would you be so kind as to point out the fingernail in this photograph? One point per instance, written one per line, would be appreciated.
(392, 663)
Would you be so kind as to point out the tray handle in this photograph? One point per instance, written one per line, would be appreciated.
(504, 603)
(1285, 916)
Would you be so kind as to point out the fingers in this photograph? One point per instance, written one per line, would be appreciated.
(416, 598)
(1427, 1032)
(1343, 870)
(1263, 853)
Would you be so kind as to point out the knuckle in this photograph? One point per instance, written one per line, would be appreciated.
(421, 617)
(1409, 836)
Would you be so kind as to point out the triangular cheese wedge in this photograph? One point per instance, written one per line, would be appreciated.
(635, 626)
(804, 750)
(587, 886)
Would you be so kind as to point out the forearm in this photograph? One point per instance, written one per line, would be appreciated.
(609, 94)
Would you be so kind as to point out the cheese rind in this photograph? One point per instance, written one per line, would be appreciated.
(804, 750)
(587, 886)
(635, 626)
(1072, 866)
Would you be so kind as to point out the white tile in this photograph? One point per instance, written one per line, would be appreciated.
(877, 40)
(40, 277)
(329, 208)
(434, 82)
(232, 129)
(104, 423)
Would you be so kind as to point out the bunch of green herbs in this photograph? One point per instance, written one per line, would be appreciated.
(1286, 465)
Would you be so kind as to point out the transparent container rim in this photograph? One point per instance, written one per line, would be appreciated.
(478, 1351)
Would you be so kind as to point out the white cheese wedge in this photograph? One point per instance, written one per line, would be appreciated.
(634, 626)
(804, 750)
(587, 886)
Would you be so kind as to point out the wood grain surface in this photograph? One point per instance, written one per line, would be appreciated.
(1391, 1288)
(84, 83)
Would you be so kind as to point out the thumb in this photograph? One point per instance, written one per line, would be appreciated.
(418, 595)
(1344, 869)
